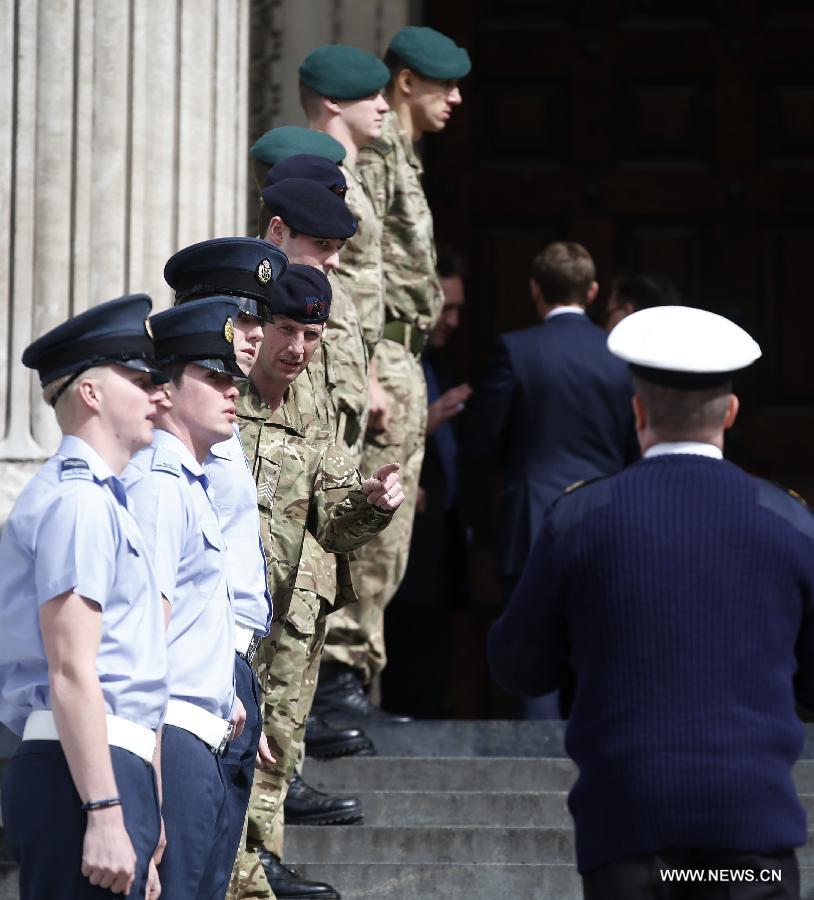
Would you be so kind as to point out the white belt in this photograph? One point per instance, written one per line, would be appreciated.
(40, 726)
(211, 729)
(246, 641)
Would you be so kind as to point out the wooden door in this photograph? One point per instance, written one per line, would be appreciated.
(674, 136)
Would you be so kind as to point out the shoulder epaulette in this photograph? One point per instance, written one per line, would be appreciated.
(581, 484)
(166, 461)
(795, 496)
(75, 469)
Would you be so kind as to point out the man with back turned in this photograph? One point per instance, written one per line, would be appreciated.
(679, 593)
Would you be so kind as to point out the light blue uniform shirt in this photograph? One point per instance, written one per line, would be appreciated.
(70, 530)
(235, 496)
(168, 492)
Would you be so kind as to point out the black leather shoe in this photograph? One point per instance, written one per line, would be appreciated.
(341, 697)
(305, 805)
(323, 741)
(287, 884)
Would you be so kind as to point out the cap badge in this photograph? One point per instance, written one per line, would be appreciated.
(229, 331)
(263, 271)
(314, 307)
(149, 329)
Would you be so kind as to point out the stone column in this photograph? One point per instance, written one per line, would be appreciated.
(124, 137)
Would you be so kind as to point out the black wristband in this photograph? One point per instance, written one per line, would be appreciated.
(100, 804)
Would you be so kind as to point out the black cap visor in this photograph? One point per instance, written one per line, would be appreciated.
(257, 309)
(226, 366)
(682, 381)
(143, 365)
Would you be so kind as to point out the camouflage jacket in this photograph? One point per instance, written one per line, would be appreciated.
(360, 262)
(391, 171)
(304, 482)
(339, 374)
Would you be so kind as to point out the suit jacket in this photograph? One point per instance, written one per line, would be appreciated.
(555, 409)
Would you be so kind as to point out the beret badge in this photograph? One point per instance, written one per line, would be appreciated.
(263, 272)
(229, 331)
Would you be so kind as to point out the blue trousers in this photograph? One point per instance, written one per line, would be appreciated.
(38, 794)
(238, 761)
(195, 818)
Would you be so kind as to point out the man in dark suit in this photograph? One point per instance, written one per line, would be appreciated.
(555, 409)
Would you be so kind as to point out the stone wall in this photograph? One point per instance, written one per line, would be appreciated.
(125, 137)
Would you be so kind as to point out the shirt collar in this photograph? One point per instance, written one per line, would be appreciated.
(693, 448)
(560, 310)
(223, 450)
(169, 441)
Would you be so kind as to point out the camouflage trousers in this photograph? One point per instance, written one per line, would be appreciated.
(288, 680)
(356, 632)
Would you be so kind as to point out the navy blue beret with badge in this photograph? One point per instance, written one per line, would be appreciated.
(309, 209)
(430, 53)
(304, 295)
(289, 140)
(343, 73)
(114, 332)
(241, 266)
(312, 168)
(201, 332)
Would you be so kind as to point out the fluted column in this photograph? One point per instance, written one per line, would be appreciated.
(123, 137)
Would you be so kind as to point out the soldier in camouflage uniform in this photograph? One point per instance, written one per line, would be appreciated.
(424, 70)
(291, 674)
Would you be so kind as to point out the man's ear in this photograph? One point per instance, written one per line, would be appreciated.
(332, 106)
(274, 232)
(406, 82)
(732, 408)
(639, 413)
(592, 293)
(87, 390)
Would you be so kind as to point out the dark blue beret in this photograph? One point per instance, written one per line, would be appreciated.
(430, 53)
(290, 140)
(343, 73)
(112, 332)
(303, 294)
(308, 208)
(312, 168)
(245, 267)
(201, 331)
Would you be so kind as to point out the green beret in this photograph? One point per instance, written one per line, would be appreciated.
(292, 140)
(430, 53)
(343, 73)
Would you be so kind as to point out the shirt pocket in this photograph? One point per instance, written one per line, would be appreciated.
(212, 536)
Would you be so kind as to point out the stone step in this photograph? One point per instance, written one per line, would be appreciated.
(469, 738)
(383, 808)
(427, 844)
(464, 808)
(378, 773)
(440, 844)
(453, 881)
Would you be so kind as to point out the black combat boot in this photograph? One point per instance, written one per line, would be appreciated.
(305, 805)
(341, 698)
(323, 741)
(287, 884)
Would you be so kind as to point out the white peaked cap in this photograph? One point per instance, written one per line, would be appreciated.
(682, 340)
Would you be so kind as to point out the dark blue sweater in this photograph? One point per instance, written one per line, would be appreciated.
(680, 594)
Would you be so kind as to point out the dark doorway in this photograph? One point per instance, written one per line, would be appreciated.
(674, 136)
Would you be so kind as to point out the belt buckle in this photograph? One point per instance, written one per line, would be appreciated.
(254, 643)
(223, 744)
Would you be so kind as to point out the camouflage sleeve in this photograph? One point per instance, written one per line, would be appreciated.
(377, 177)
(341, 518)
(360, 264)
